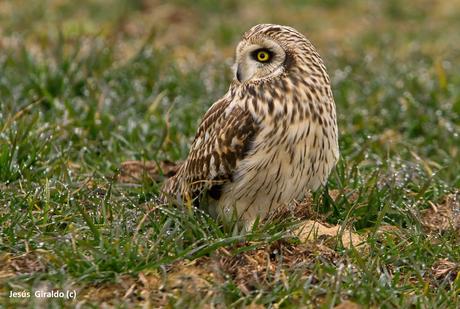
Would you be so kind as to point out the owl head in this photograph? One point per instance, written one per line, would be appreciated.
(267, 51)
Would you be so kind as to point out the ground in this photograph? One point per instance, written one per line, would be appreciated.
(87, 87)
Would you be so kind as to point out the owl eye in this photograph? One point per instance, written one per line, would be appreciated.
(262, 55)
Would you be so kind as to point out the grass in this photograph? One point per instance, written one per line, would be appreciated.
(85, 87)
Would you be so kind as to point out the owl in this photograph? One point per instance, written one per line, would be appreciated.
(272, 137)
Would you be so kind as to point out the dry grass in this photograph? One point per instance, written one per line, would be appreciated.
(443, 217)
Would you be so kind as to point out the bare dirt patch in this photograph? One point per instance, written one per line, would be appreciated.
(269, 264)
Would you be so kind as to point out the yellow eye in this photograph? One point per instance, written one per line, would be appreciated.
(263, 56)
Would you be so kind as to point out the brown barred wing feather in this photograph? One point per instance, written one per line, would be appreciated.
(222, 140)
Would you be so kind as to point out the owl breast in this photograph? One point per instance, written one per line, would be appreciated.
(286, 159)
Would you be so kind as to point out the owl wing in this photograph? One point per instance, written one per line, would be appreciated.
(222, 140)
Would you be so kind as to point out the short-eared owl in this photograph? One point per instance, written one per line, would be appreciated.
(271, 137)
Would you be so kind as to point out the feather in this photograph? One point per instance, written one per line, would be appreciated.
(222, 140)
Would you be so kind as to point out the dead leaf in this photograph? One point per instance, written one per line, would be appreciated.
(444, 268)
(310, 230)
(350, 195)
(136, 171)
(387, 231)
(386, 228)
(5, 270)
(30, 262)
